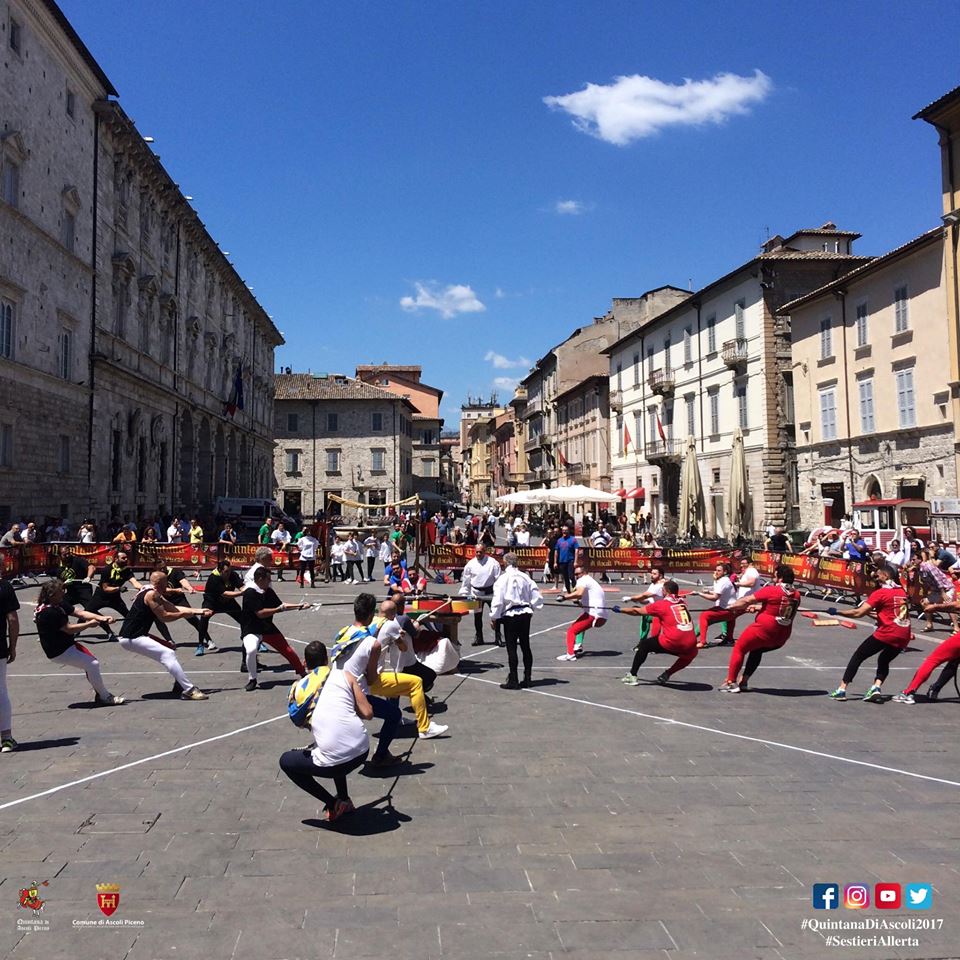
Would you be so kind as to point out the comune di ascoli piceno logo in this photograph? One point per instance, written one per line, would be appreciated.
(108, 901)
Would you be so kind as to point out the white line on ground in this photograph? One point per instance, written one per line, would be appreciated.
(137, 763)
(727, 733)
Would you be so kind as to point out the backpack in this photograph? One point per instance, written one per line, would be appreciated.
(304, 695)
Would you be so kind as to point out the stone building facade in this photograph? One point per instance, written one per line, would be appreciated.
(583, 433)
(872, 392)
(338, 435)
(127, 324)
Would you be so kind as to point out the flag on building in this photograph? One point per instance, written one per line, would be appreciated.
(626, 437)
(235, 402)
(663, 436)
(563, 459)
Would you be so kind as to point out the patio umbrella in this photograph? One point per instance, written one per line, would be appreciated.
(738, 505)
(692, 507)
(578, 493)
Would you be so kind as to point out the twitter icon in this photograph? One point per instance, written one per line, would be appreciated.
(919, 896)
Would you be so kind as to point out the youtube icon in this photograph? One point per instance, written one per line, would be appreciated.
(887, 896)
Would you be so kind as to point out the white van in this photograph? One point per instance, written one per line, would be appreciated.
(248, 513)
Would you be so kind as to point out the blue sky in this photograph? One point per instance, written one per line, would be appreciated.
(435, 183)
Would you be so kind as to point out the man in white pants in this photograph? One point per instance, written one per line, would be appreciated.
(149, 608)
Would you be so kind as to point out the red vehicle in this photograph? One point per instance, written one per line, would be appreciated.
(880, 521)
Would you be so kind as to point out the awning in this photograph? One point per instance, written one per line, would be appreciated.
(622, 493)
(637, 493)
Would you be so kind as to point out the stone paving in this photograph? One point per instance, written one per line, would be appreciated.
(581, 819)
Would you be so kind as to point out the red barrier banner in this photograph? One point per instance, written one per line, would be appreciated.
(697, 561)
(822, 573)
(9, 561)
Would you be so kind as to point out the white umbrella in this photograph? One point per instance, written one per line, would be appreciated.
(523, 497)
(578, 493)
(692, 507)
(738, 504)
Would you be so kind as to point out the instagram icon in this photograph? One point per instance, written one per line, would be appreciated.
(856, 896)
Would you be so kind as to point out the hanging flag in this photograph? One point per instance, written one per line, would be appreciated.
(663, 436)
(563, 459)
(626, 437)
(235, 402)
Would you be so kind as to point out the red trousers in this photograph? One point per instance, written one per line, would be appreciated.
(946, 651)
(583, 622)
(753, 638)
(714, 615)
(279, 643)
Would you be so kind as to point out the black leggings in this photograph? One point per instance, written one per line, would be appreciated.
(516, 632)
(869, 648)
(370, 562)
(421, 670)
(644, 648)
(298, 765)
(112, 601)
(485, 600)
(302, 567)
(230, 607)
(753, 661)
(948, 673)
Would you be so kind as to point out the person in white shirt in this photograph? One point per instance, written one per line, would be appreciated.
(895, 555)
(370, 547)
(515, 597)
(351, 557)
(653, 592)
(336, 561)
(592, 599)
(307, 545)
(748, 580)
(281, 542)
(722, 595)
(522, 535)
(173, 531)
(263, 557)
(385, 552)
(479, 576)
(341, 742)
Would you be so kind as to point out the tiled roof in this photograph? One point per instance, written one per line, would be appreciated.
(786, 254)
(875, 263)
(307, 386)
(412, 368)
(937, 104)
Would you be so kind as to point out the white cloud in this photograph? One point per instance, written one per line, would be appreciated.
(570, 207)
(634, 107)
(501, 362)
(505, 383)
(448, 301)
(499, 293)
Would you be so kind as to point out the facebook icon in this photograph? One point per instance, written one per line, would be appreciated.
(826, 896)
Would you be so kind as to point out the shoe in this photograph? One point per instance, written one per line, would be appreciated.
(567, 656)
(211, 646)
(177, 689)
(194, 693)
(933, 694)
(630, 680)
(904, 698)
(578, 651)
(263, 648)
(251, 685)
(510, 684)
(872, 695)
(199, 652)
(727, 642)
(526, 683)
(838, 694)
(664, 677)
(499, 642)
(743, 686)
(478, 642)
(110, 701)
(8, 745)
(385, 759)
(434, 730)
(729, 686)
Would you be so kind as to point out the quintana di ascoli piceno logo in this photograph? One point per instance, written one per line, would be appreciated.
(30, 898)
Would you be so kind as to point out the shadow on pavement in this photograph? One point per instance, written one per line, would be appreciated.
(680, 685)
(772, 692)
(405, 769)
(365, 821)
(47, 744)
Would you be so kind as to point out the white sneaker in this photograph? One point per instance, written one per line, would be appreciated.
(567, 656)
(434, 730)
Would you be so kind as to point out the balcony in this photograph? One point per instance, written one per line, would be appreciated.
(616, 401)
(664, 451)
(535, 443)
(661, 381)
(534, 405)
(734, 353)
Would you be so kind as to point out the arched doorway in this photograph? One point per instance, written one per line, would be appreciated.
(872, 489)
(187, 460)
(204, 466)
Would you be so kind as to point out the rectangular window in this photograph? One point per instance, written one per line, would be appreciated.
(333, 461)
(71, 101)
(711, 334)
(292, 461)
(15, 36)
(116, 452)
(619, 375)
(162, 467)
(905, 401)
(377, 422)
(654, 433)
(333, 423)
(66, 354)
(6, 444)
(11, 182)
(738, 309)
(68, 230)
(637, 428)
(690, 423)
(378, 460)
(714, 412)
(826, 338)
(862, 325)
(901, 322)
(636, 369)
(740, 392)
(142, 464)
(716, 476)
(666, 356)
(688, 345)
(649, 360)
(428, 468)
(828, 414)
(867, 422)
(293, 423)
(7, 312)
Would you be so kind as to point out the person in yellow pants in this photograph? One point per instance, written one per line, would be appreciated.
(397, 652)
